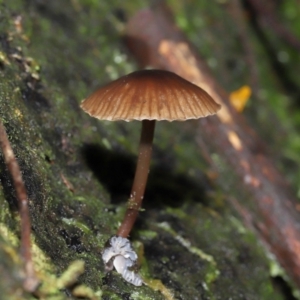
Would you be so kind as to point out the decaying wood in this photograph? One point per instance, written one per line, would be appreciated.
(154, 40)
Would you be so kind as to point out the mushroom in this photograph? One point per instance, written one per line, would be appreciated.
(147, 96)
(119, 254)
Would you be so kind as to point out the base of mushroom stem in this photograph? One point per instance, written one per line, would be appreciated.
(120, 255)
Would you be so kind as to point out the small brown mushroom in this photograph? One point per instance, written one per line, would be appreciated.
(147, 95)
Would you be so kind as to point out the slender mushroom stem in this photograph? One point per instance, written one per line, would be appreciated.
(140, 178)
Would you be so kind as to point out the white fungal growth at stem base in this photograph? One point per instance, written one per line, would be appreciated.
(121, 256)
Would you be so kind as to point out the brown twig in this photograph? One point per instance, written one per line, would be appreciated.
(30, 282)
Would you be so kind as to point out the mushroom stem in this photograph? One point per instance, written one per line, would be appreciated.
(140, 178)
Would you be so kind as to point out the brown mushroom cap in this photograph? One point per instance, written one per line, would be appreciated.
(150, 95)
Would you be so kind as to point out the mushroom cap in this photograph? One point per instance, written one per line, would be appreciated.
(150, 95)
